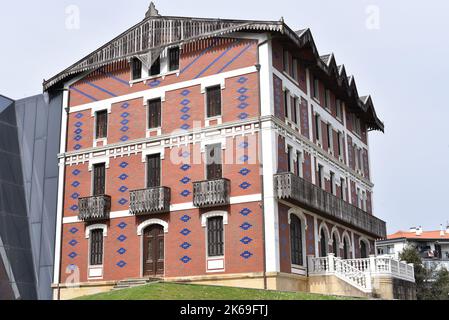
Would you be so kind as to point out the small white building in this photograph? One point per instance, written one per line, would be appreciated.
(433, 246)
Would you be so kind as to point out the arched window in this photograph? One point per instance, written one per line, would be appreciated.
(323, 243)
(296, 243)
(345, 248)
(363, 249)
(335, 245)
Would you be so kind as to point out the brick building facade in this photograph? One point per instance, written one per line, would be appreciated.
(145, 114)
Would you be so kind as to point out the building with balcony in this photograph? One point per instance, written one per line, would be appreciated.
(211, 151)
(432, 246)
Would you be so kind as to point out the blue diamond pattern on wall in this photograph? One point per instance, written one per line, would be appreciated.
(244, 158)
(185, 102)
(79, 115)
(246, 240)
(73, 230)
(185, 117)
(185, 93)
(74, 207)
(185, 218)
(72, 267)
(122, 201)
(242, 90)
(123, 189)
(78, 124)
(154, 83)
(73, 255)
(185, 167)
(185, 245)
(244, 172)
(243, 98)
(121, 251)
(246, 226)
(122, 225)
(75, 173)
(185, 232)
(185, 154)
(185, 109)
(124, 122)
(186, 259)
(75, 196)
(122, 238)
(78, 138)
(243, 105)
(125, 115)
(246, 255)
(73, 242)
(244, 145)
(242, 80)
(245, 212)
(124, 129)
(185, 126)
(77, 147)
(123, 176)
(124, 165)
(185, 193)
(125, 105)
(78, 131)
(121, 264)
(245, 185)
(75, 184)
(185, 180)
(124, 138)
(243, 116)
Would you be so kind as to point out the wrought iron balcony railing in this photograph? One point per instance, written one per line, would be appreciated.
(94, 208)
(292, 188)
(211, 193)
(148, 201)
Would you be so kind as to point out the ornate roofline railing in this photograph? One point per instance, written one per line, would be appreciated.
(289, 186)
(211, 193)
(95, 208)
(149, 201)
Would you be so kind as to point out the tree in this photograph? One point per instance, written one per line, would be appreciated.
(440, 286)
(422, 275)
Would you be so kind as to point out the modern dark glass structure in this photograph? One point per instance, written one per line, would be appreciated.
(29, 144)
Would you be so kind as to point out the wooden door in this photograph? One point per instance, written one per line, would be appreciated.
(153, 251)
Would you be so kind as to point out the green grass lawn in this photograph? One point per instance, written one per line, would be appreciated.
(173, 291)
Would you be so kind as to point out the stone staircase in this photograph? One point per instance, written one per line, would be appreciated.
(134, 282)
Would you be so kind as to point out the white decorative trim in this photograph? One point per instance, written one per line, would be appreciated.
(348, 237)
(215, 140)
(211, 82)
(98, 160)
(95, 227)
(335, 230)
(364, 239)
(151, 151)
(100, 107)
(149, 222)
(212, 214)
(299, 214)
(323, 224)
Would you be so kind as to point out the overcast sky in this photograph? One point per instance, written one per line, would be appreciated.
(397, 50)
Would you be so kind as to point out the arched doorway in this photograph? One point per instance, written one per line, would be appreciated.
(296, 247)
(345, 248)
(153, 250)
(335, 245)
(323, 244)
(363, 249)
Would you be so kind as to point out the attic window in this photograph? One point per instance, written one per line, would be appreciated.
(156, 67)
(136, 69)
(173, 59)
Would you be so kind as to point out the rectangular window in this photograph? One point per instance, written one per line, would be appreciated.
(329, 137)
(298, 164)
(356, 124)
(327, 99)
(315, 88)
(136, 68)
(153, 170)
(339, 109)
(339, 142)
(156, 67)
(342, 188)
(154, 113)
(99, 175)
(286, 103)
(332, 182)
(213, 162)
(286, 61)
(213, 100)
(289, 159)
(295, 110)
(101, 124)
(358, 198)
(173, 59)
(215, 243)
(295, 69)
(96, 247)
(317, 127)
(320, 176)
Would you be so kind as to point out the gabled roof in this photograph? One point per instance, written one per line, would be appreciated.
(154, 33)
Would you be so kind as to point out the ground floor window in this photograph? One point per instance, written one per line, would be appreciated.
(96, 247)
(323, 243)
(296, 245)
(215, 243)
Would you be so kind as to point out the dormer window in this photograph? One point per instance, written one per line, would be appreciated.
(173, 59)
(136, 69)
(156, 67)
(315, 88)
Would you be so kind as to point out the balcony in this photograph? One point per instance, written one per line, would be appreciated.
(301, 192)
(94, 208)
(149, 201)
(211, 193)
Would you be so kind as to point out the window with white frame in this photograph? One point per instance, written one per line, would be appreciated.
(287, 104)
(173, 59)
(320, 173)
(299, 168)
(330, 140)
(340, 144)
(318, 127)
(295, 111)
(286, 61)
(96, 247)
(295, 69)
(296, 240)
(290, 159)
(339, 109)
(215, 238)
(315, 88)
(332, 182)
(342, 189)
(327, 99)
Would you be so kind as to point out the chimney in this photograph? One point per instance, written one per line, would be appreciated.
(412, 229)
(442, 230)
(419, 231)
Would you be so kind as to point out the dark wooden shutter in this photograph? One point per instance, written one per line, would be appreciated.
(173, 58)
(156, 67)
(213, 162)
(154, 113)
(102, 124)
(154, 170)
(96, 247)
(213, 101)
(99, 179)
(215, 242)
(137, 69)
(296, 241)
